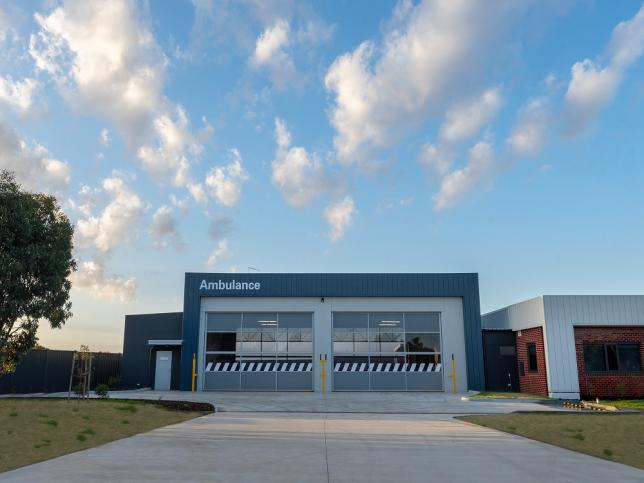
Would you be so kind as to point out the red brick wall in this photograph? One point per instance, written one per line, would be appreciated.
(609, 384)
(532, 382)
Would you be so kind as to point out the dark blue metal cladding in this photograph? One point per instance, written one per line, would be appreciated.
(463, 285)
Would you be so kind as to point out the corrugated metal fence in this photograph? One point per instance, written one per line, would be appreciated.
(44, 370)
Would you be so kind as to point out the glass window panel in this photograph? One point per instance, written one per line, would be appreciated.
(532, 357)
(343, 335)
(288, 320)
(594, 358)
(611, 357)
(251, 340)
(422, 322)
(423, 358)
(300, 347)
(391, 320)
(342, 347)
(629, 358)
(423, 342)
(223, 322)
(387, 359)
(346, 320)
(221, 341)
(259, 320)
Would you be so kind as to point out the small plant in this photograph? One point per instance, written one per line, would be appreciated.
(608, 453)
(125, 421)
(52, 422)
(102, 391)
(579, 436)
(87, 431)
(114, 382)
(13, 414)
(81, 437)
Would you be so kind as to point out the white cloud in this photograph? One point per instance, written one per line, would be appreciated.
(480, 168)
(530, 134)
(270, 53)
(104, 58)
(105, 137)
(164, 228)
(18, 95)
(220, 252)
(224, 182)
(118, 219)
(271, 43)
(434, 48)
(462, 121)
(34, 167)
(339, 216)
(593, 86)
(91, 278)
(297, 173)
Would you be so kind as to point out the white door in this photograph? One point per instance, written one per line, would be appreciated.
(163, 371)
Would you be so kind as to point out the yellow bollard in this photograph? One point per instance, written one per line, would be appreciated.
(453, 375)
(323, 373)
(194, 371)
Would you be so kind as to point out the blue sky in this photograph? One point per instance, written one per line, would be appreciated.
(503, 138)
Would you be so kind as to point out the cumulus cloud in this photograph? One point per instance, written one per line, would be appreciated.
(224, 182)
(164, 228)
(104, 58)
(592, 86)
(297, 173)
(339, 216)
(530, 133)
(18, 95)
(220, 252)
(220, 227)
(270, 53)
(34, 166)
(105, 137)
(91, 277)
(117, 220)
(433, 49)
(462, 121)
(480, 168)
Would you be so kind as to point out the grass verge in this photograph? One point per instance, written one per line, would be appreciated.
(33, 430)
(507, 395)
(627, 403)
(615, 437)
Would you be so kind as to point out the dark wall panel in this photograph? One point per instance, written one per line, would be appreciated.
(138, 358)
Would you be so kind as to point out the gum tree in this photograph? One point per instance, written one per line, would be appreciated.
(35, 265)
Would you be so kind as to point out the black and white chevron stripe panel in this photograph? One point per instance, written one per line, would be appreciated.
(259, 367)
(385, 367)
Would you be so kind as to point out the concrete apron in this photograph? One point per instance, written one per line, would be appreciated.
(345, 402)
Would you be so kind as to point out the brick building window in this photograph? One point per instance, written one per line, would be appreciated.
(612, 358)
(532, 357)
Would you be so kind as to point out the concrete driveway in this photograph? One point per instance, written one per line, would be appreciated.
(322, 447)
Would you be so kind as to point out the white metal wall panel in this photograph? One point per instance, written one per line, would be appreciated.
(563, 312)
(523, 315)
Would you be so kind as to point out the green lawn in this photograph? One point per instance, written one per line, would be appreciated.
(617, 437)
(507, 395)
(33, 430)
(627, 403)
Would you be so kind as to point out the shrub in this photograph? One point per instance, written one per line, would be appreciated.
(114, 382)
(102, 391)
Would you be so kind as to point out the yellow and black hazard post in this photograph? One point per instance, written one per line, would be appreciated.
(323, 373)
(194, 371)
(453, 376)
